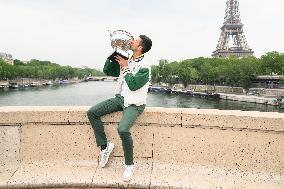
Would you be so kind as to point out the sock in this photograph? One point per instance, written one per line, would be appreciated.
(103, 146)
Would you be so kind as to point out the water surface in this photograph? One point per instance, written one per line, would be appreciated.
(90, 93)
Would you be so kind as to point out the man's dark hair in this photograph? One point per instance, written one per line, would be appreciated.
(146, 43)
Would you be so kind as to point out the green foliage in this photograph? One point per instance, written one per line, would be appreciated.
(184, 71)
(232, 71)
(18, 62)
(7, 71)
(155, 76)
(97, 73)
(272, 62)
(43, 70)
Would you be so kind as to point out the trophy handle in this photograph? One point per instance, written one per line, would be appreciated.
(129, 34)
(110, 33)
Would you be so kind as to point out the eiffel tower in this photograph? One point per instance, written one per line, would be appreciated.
(232, 31)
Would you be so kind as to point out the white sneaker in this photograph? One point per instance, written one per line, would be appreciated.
(128, 173)
(104, 154)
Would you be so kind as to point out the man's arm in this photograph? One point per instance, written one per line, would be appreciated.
(136, 81)
(111, 68)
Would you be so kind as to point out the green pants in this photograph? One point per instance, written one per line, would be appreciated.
(130, 114)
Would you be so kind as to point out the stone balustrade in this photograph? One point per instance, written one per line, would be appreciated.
(54, 147)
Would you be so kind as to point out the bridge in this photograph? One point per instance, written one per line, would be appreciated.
(101, 78)
(54, 147)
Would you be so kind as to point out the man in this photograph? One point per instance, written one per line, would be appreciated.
(131, 92)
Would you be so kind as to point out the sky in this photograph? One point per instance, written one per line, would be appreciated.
(75, 32)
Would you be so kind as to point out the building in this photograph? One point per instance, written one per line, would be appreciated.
(7, 58)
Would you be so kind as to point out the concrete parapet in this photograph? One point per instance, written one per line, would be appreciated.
(173, 148)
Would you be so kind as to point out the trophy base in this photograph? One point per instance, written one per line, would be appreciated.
(115, 53)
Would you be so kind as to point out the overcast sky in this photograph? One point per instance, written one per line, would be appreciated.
(75, 32)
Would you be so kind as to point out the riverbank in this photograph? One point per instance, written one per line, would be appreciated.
(253, 95)
(248, 98)
(26, 82)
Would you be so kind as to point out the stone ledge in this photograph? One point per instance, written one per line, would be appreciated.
(148, 174)
(196, 176)
(55, 147)
(54, 174)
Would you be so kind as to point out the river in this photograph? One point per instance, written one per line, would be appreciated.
(90, 93)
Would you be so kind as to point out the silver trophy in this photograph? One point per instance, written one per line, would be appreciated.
(120, 43)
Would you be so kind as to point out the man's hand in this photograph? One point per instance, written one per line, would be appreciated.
(121, 61)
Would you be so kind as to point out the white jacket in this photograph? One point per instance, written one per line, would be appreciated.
(137, 97)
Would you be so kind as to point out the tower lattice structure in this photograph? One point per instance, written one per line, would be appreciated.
(232, 31)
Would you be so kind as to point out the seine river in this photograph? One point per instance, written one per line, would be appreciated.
(90, 93)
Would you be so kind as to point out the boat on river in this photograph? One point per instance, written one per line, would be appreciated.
(13, 86)
(159, 89)
(65, 81)
(48, 83)
(279, 101)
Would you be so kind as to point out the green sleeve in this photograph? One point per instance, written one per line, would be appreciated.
(111, 68)
(138, 80)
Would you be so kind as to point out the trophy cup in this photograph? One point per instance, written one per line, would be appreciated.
(120, 43)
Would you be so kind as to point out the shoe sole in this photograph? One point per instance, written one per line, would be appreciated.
(111, 148)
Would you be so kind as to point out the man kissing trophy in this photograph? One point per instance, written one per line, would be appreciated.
(130, 95)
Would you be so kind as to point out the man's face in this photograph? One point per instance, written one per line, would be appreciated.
(135, 44)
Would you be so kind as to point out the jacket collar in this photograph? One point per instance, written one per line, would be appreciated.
(137, 59)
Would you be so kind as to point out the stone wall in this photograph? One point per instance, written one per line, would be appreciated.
(216, 89)
(173, 148)
(274, 92)
(230, 90)
(210, 88)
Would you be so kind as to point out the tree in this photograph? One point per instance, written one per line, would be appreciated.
(97, 73)
(155, 76)
(272, 62)
(184, 72)
(164, 70)
(207, 73)
(18, 62)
